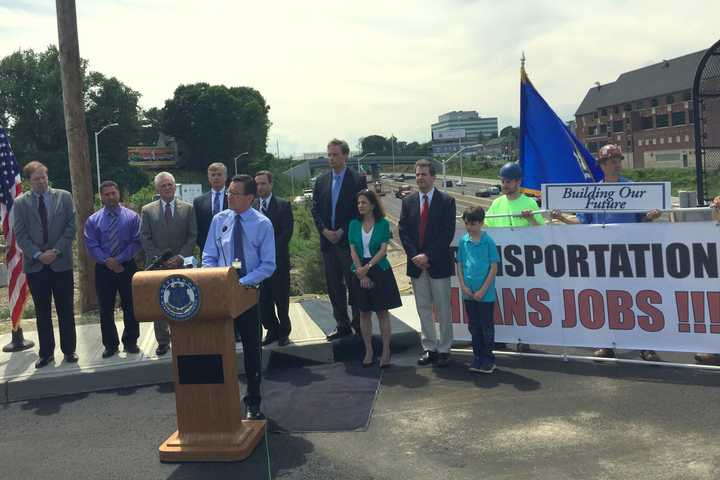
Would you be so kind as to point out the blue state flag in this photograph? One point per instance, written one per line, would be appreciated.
(549, 151)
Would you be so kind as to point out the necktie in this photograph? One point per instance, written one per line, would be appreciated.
(424, 216)
(42, 210)
(239, 248)
(113, 240)
(216, 203)
(335, 194)
(168, 212)
(263, 206)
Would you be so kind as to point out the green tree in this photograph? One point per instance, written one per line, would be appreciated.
(510, 131)
(150, 123)
(108, 101)
(217, 123)
(375, 144)
(32, 109)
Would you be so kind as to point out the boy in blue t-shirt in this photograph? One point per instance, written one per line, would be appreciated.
(477, 264)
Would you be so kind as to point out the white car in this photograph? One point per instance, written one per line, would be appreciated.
(459, 184)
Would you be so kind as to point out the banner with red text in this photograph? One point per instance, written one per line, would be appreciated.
(635, 286)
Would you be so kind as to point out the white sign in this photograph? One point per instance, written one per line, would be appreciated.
(456, 134)
(651, 286)
(607, 197)
(188, 191)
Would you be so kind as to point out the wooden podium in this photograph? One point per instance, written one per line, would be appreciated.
(200, 306)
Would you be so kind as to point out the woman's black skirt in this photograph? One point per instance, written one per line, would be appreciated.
(383, 295)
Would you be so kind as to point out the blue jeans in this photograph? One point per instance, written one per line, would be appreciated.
(482, 329)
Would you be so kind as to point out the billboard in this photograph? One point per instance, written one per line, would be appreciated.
(151, 156)
(455, 134)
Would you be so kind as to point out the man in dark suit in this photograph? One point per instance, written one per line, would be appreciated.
(426, 227)
(334, 205)
(275, 291)
(44, 224)
(209, 204)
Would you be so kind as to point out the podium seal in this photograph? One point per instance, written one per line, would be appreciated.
(179, 298)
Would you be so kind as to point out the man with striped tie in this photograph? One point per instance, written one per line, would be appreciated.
(112, 237)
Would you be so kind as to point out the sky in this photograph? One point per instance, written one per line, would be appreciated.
(349, 69)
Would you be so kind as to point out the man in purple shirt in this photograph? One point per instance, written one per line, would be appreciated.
(112, 236)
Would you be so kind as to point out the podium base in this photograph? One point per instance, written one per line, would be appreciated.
(220, 447)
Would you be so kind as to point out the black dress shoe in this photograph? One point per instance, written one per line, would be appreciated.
(283, 341)
(427, 358)
(269, 339)
(339, 333)
(71, 357)
(253, 412)
(132, 348)
(42, 361)
(162, 349)
(109, 352)
(443, 359)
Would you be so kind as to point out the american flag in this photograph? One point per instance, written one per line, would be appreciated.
(10, 188)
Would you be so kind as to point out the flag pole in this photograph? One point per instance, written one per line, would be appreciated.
(521, 135)
(17, 282)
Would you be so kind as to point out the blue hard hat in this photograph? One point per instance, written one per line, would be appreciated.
(511, 171)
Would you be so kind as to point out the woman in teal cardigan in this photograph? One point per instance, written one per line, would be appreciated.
(375, 288)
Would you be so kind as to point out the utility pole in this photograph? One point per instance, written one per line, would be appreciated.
(77, 139)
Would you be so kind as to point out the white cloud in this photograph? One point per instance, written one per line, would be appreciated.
(350, 69)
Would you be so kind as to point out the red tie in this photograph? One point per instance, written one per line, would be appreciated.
(424, 215)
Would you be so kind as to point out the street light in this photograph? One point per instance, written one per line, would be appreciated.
(444, 164)
(97, 151)
(236, 159)
(360, 158)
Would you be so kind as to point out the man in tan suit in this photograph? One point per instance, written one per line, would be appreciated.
(168, 224)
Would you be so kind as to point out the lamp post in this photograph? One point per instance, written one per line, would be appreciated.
(236, 159)
(97, 151)
(392, 146)
(360, 158)
(444, 164)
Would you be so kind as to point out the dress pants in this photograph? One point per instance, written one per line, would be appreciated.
(338, 276)
(162, 332)
(247, 326)
(275, 291)
(429, 291)
(108, 284)
(44, 286)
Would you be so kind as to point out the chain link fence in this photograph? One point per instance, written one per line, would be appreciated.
(708, 103)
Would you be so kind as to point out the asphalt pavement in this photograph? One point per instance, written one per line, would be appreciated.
(531, 419)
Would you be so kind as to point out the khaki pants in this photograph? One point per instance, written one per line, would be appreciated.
(429, 291)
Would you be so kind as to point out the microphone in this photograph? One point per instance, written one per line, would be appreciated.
(218, 244)
(158, 261)
(190, 262)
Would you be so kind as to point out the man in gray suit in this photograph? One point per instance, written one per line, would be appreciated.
(168, 225)
(44, 224)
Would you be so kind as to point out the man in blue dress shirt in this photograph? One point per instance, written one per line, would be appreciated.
(112, 237)
(244, 237)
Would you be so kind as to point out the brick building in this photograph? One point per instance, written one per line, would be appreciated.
(648, 112)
